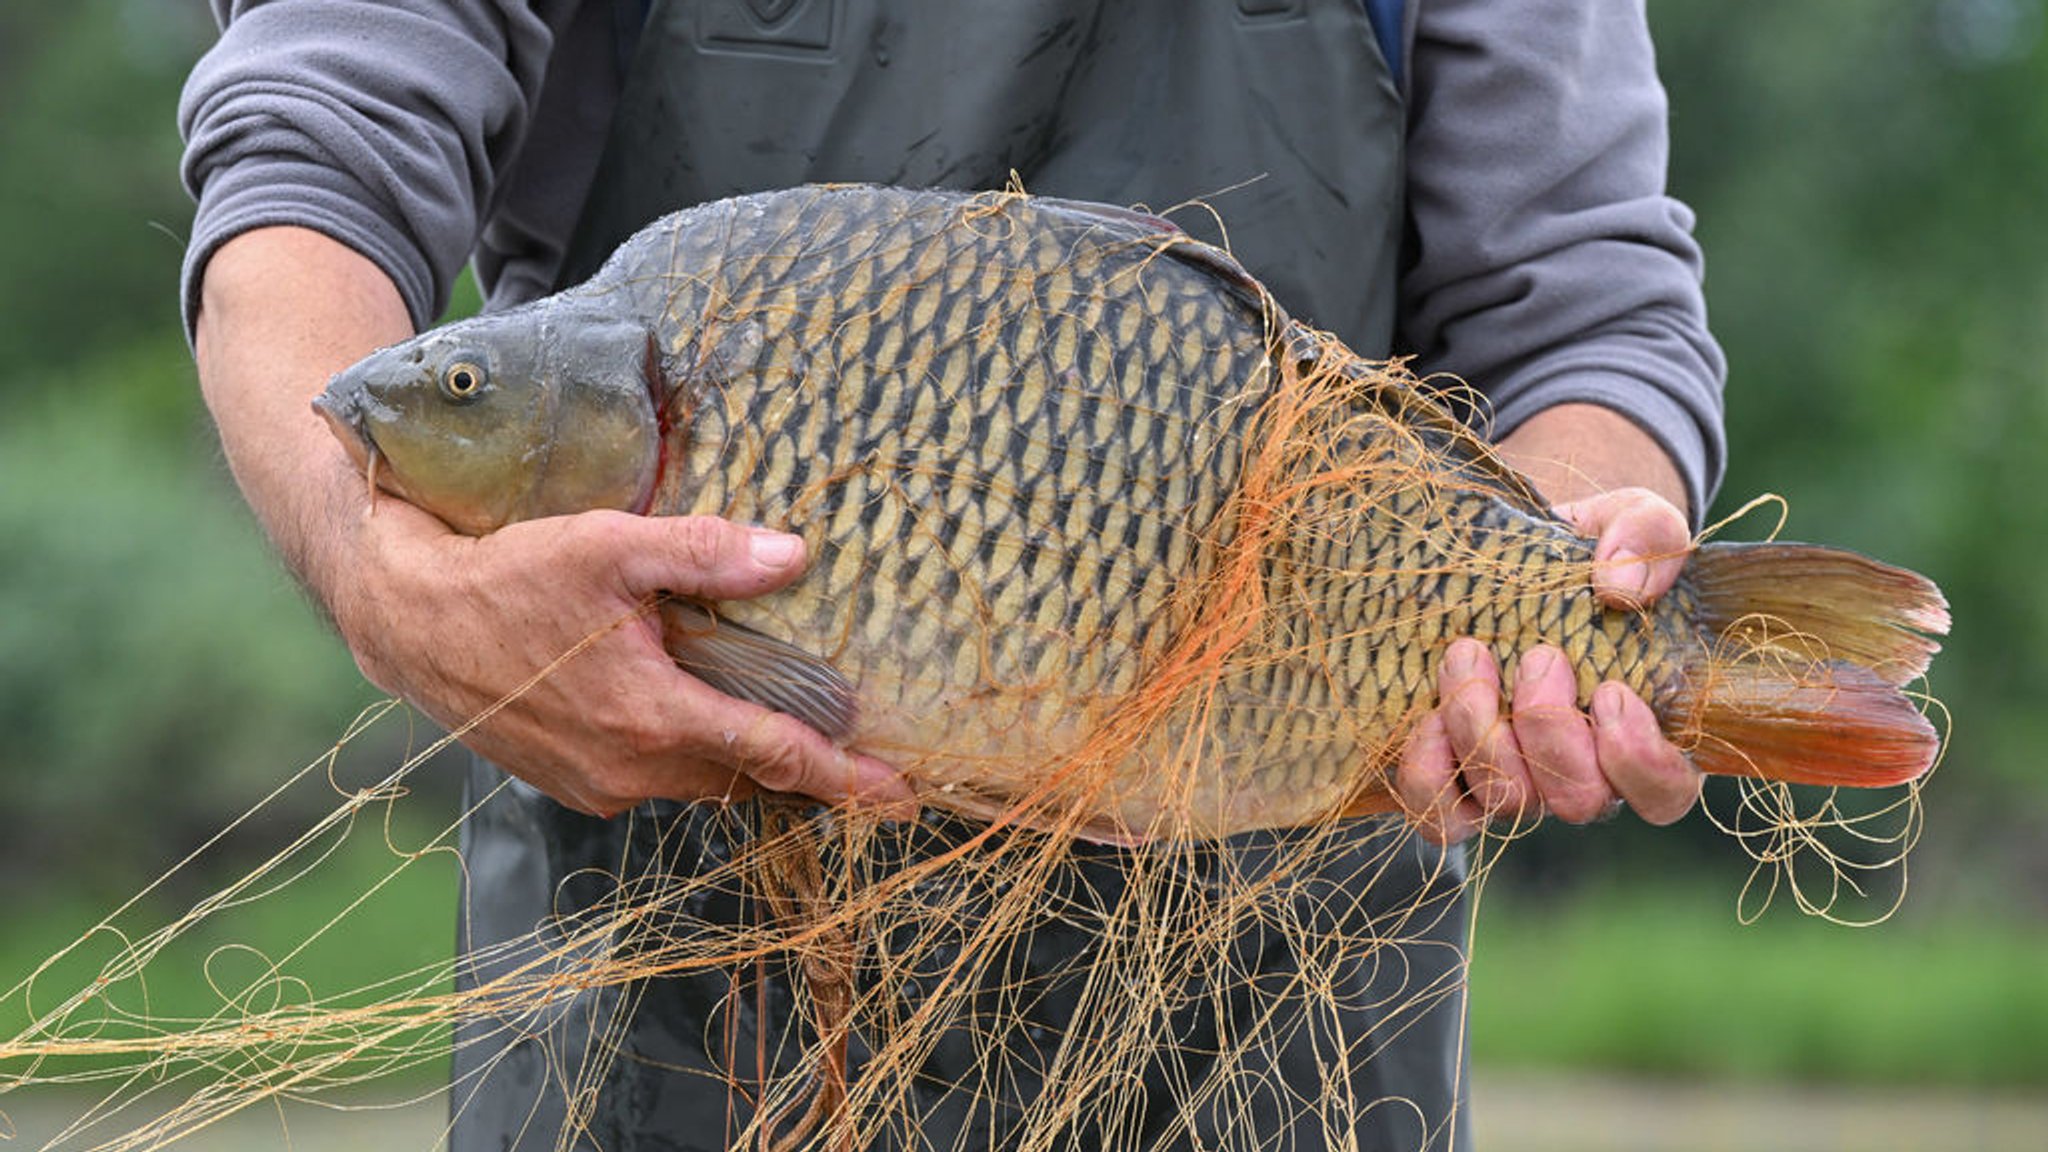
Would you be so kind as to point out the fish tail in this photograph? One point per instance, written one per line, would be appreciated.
(1803, 678)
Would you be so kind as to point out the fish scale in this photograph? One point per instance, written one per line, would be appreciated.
(1083, 505)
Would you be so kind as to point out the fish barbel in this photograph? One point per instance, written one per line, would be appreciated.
(1095, 528)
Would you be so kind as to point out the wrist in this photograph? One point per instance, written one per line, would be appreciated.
(1573, 451)
(281, 309)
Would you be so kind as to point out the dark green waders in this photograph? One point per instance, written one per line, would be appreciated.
(1280, 114)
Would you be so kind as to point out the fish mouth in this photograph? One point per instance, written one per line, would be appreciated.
(349, 428)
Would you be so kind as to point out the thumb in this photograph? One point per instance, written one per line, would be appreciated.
(1641, 541)
(700, 556)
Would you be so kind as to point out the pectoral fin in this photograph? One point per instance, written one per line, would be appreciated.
(748, 665)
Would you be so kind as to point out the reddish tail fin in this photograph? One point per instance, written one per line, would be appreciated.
(1838, 605)
(1803, 684)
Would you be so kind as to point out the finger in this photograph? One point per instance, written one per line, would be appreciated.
(696, 555)
(1641, 543)
(1426, 784)
(641, 739)
(1555, 738)
(782, 754)
(1646, 769)
(1481, 740)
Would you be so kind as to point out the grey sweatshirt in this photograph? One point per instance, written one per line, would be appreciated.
(1546, 264)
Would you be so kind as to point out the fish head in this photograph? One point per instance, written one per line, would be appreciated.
(544, 410)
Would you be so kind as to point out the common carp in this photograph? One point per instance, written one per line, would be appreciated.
(1100, 537)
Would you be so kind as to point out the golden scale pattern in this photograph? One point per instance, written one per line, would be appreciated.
(984, 420)
(969, 429)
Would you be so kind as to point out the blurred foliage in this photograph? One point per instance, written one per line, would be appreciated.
(1870, 188)
(1868, 181)
(158, 671)
(92, 217)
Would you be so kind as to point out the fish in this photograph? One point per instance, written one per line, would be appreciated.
(1102, 539)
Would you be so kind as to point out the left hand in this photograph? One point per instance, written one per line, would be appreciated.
(1466, 764)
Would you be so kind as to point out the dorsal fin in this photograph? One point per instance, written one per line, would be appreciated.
(1167, 238)
(1394, 391)
(1479, 460)
(1132, 221)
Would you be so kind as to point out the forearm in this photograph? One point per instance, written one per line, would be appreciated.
(1573, 451)
(281, 310)
(1550, 270)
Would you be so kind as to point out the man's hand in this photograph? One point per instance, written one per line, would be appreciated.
(457, 624)
(1468, 763)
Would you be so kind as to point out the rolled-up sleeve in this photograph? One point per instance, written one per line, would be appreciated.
(1547, 264)
(383, 125)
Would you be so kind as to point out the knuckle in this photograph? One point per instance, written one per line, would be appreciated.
(377, 672)
(1654, 522)
(1641, 751)
(1497, 778)
(590, 535)
(1426, 772)
(1672, 792)
(1577, 801)
(1491, 788)
(1500, 750)
(1461, 730)
(608, 789)
(1556, 741)
(1471, 719)
(1422, 789)
(1663, 815)
(699, 541)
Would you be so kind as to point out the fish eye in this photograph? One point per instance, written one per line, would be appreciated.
(463, 380)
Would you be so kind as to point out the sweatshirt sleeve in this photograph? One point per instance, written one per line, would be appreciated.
(383, 125)
(1547, 265)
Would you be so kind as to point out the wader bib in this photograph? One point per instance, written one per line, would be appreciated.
(1282, 116)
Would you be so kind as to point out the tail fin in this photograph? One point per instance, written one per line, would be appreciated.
(1803, 683)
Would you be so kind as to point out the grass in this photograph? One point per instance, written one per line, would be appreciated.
(1663, 980)
(328, 926)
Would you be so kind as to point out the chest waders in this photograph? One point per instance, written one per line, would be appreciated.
(1280, 114)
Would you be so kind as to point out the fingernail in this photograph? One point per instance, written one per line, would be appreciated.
(774, 549)
(1628, 575)
(1535, 664)
(1607, 705)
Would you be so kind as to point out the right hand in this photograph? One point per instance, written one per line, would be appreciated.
(456, 625)
(1471, 761)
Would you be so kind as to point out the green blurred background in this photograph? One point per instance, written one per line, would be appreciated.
(1870, 183)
